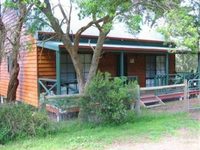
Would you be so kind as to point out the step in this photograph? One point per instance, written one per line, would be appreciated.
(147, 96)
(155, 105)
(150, 101)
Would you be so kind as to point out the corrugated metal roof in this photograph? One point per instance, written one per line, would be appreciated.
(55, 46)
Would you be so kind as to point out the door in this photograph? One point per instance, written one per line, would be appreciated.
(155, 65)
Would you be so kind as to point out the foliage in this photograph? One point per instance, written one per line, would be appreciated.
(186, 62)
(101, 14)
(106, 99)
(76, 135)
(182, 25)
(20, 120)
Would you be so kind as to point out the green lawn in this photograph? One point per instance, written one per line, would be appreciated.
(74, 135)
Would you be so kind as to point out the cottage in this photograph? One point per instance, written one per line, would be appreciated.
(47, 67)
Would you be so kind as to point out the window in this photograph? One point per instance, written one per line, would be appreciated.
(86, 61)
(155, 65)
(160, 65)
(68, 73)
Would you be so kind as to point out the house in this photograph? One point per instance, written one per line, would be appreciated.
(47, 67)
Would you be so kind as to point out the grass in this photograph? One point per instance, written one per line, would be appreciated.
(74, 135)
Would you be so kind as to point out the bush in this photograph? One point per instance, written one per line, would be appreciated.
(20, 120)
(107, 99)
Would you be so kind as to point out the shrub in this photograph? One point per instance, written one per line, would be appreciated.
(20, 120)
(107, 99)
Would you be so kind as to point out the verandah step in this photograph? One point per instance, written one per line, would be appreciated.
(155, 105)
(151, 101)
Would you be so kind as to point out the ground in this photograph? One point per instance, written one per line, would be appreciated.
(180, 106)
(155, 130)
(184, 139)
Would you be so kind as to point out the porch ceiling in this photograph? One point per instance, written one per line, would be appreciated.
(51, 45)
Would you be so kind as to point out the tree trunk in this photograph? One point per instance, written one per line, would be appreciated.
(79, 69)
(15, 42)
(13, 83)
(2, 38)
(95, 58)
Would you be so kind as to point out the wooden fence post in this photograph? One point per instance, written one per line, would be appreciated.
(137, 103)
(186, 98)
(42, 102)
(1, 99)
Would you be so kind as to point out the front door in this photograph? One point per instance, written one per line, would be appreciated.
(155, 65)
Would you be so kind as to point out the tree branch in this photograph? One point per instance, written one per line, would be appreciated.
(82, 29)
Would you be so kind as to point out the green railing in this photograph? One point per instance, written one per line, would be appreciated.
(172, 79)
(47, 86)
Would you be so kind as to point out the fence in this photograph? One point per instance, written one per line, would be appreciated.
(193, 94)
(146, 96)
(155, 96)
(172, 79)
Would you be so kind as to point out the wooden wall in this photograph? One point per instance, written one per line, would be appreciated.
(28, 84)
(108, 63)
(172, 64)
(46, 63)
(137, 68)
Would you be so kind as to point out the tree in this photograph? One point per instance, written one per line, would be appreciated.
(2, 36)
(103, 14)
(182, 26)
(13, 34)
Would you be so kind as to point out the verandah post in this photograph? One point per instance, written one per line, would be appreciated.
(198, 68)
(58, 86)
(121, 63)
(167, 68)
(185, 98)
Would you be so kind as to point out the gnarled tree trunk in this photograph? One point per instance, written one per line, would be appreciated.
(2, 38)
(15, 42)
(13, 84)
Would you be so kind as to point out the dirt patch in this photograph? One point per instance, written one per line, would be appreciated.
(185, 140)
(181, 106)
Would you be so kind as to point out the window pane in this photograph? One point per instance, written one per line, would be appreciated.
(88, 58)
(82, 58)
(70, 68)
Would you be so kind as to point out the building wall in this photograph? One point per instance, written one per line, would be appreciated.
(137, 67)
(172, 64)
(28, 84)
(46, 63)
(108, 63)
